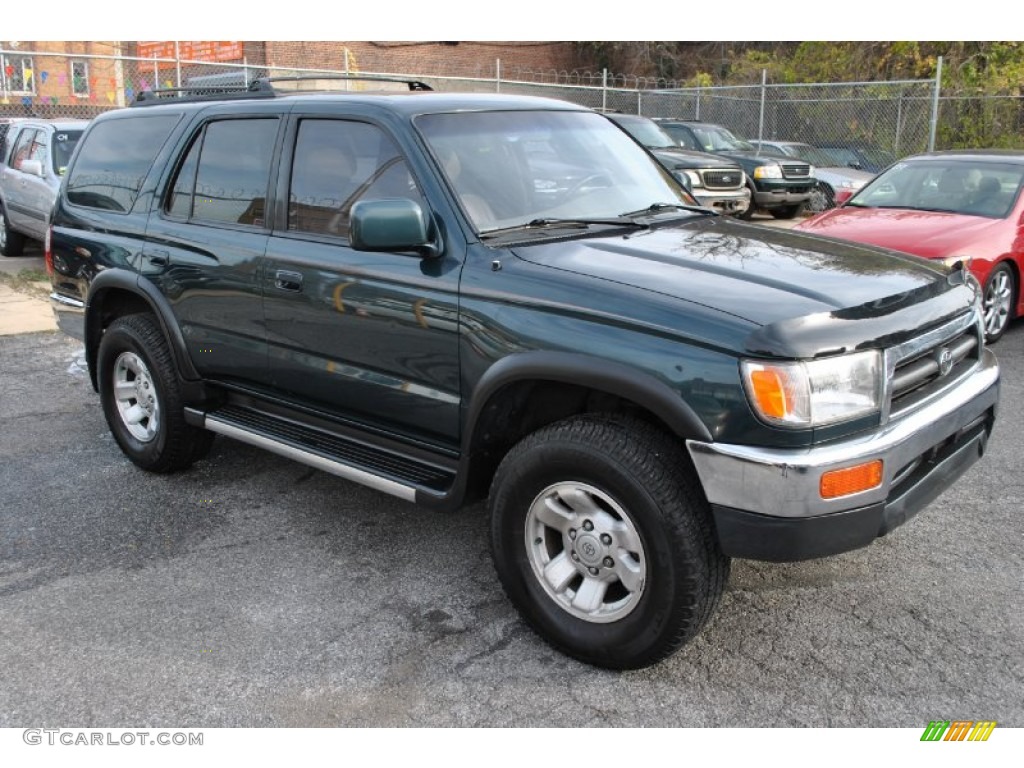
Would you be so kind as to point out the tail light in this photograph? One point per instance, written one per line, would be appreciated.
(47, 252)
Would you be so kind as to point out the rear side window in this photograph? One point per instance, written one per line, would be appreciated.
(115, 157)
(226, 172)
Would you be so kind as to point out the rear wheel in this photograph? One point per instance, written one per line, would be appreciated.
(11, 243)
(603, 540)
(141, 397)
(999, 298)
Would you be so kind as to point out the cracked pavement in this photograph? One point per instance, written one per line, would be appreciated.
(253, 591)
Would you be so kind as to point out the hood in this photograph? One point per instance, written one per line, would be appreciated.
(924, 233)
(836, 175)
(805, 295)
(673, 158)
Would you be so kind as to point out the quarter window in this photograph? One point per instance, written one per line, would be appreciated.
(338, 163)
(115, 159)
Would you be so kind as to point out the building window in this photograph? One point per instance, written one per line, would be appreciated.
(80, 78)
(18, 74)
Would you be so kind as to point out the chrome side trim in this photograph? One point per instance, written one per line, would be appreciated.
(785, 483)
(360, 476)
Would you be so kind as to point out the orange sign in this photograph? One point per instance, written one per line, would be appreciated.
(193, 50)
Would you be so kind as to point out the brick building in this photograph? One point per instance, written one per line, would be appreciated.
(81, 79)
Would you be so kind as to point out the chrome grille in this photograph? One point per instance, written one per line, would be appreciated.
(722, 179)
(796, 170)
(929, 364)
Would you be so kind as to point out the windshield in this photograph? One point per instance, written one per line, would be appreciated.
(954, 185)
(810, 154)
(647, 132)
(63, 145)
(715, 139)
(512, 168)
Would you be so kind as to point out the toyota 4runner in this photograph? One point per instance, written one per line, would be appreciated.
(450, 297)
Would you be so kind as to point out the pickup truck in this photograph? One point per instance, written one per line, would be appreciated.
(781, 187)
(458, 297)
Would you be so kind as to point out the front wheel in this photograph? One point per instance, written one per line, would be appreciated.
(998, 301)
(141, 397)
(604, 542)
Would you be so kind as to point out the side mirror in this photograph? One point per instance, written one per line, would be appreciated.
(842, 196)
(391, 225)
(32, 166)
(683, 179)
(856, 166)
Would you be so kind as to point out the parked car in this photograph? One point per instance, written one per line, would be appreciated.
(377, 286)
(857, 155)
(716, 182)
(949, 206)
(779, 187)
(832, 179)
(36, 155)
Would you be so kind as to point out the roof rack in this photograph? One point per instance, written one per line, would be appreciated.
(257, 89)
(413, 85)
(260, 88)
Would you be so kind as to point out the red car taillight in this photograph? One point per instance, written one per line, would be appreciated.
(47, 253)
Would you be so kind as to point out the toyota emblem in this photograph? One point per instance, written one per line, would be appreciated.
(945, 361)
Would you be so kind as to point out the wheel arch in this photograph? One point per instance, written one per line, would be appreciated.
(527, 391)
(116, 292)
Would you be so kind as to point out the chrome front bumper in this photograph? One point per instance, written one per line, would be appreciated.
(923, 453)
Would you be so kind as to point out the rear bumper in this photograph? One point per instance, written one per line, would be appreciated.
(767, 503)
(70, 315)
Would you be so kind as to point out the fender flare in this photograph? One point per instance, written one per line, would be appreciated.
(121, 279)
(603, 375)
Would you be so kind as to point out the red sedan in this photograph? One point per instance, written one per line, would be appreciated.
(947, 206)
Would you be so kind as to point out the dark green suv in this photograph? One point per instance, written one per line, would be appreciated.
(452, 297)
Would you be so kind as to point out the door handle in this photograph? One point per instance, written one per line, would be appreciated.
(159, 258)
(288, 281)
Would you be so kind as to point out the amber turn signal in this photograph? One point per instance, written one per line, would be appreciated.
(770, 393)
(843, 482)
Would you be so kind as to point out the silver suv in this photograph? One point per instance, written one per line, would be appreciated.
(35, 154)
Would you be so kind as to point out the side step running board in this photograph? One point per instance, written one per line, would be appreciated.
(363, 463)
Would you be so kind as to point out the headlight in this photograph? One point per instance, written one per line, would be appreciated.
(815, 392)
(951, 261)
(694, 179)
(810, 170)
(773, 171)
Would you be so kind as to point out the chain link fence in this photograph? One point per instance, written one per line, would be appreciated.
(901, 117)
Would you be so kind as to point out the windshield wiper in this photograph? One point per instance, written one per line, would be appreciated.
(659, 207)
(551, 223)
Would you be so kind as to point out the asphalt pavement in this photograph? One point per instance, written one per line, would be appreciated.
(254, 591)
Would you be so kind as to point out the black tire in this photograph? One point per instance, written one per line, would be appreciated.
(11, 243)
(161, 441)
(634, 478)
(787, 211)
(999, 298)
(823, 198)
